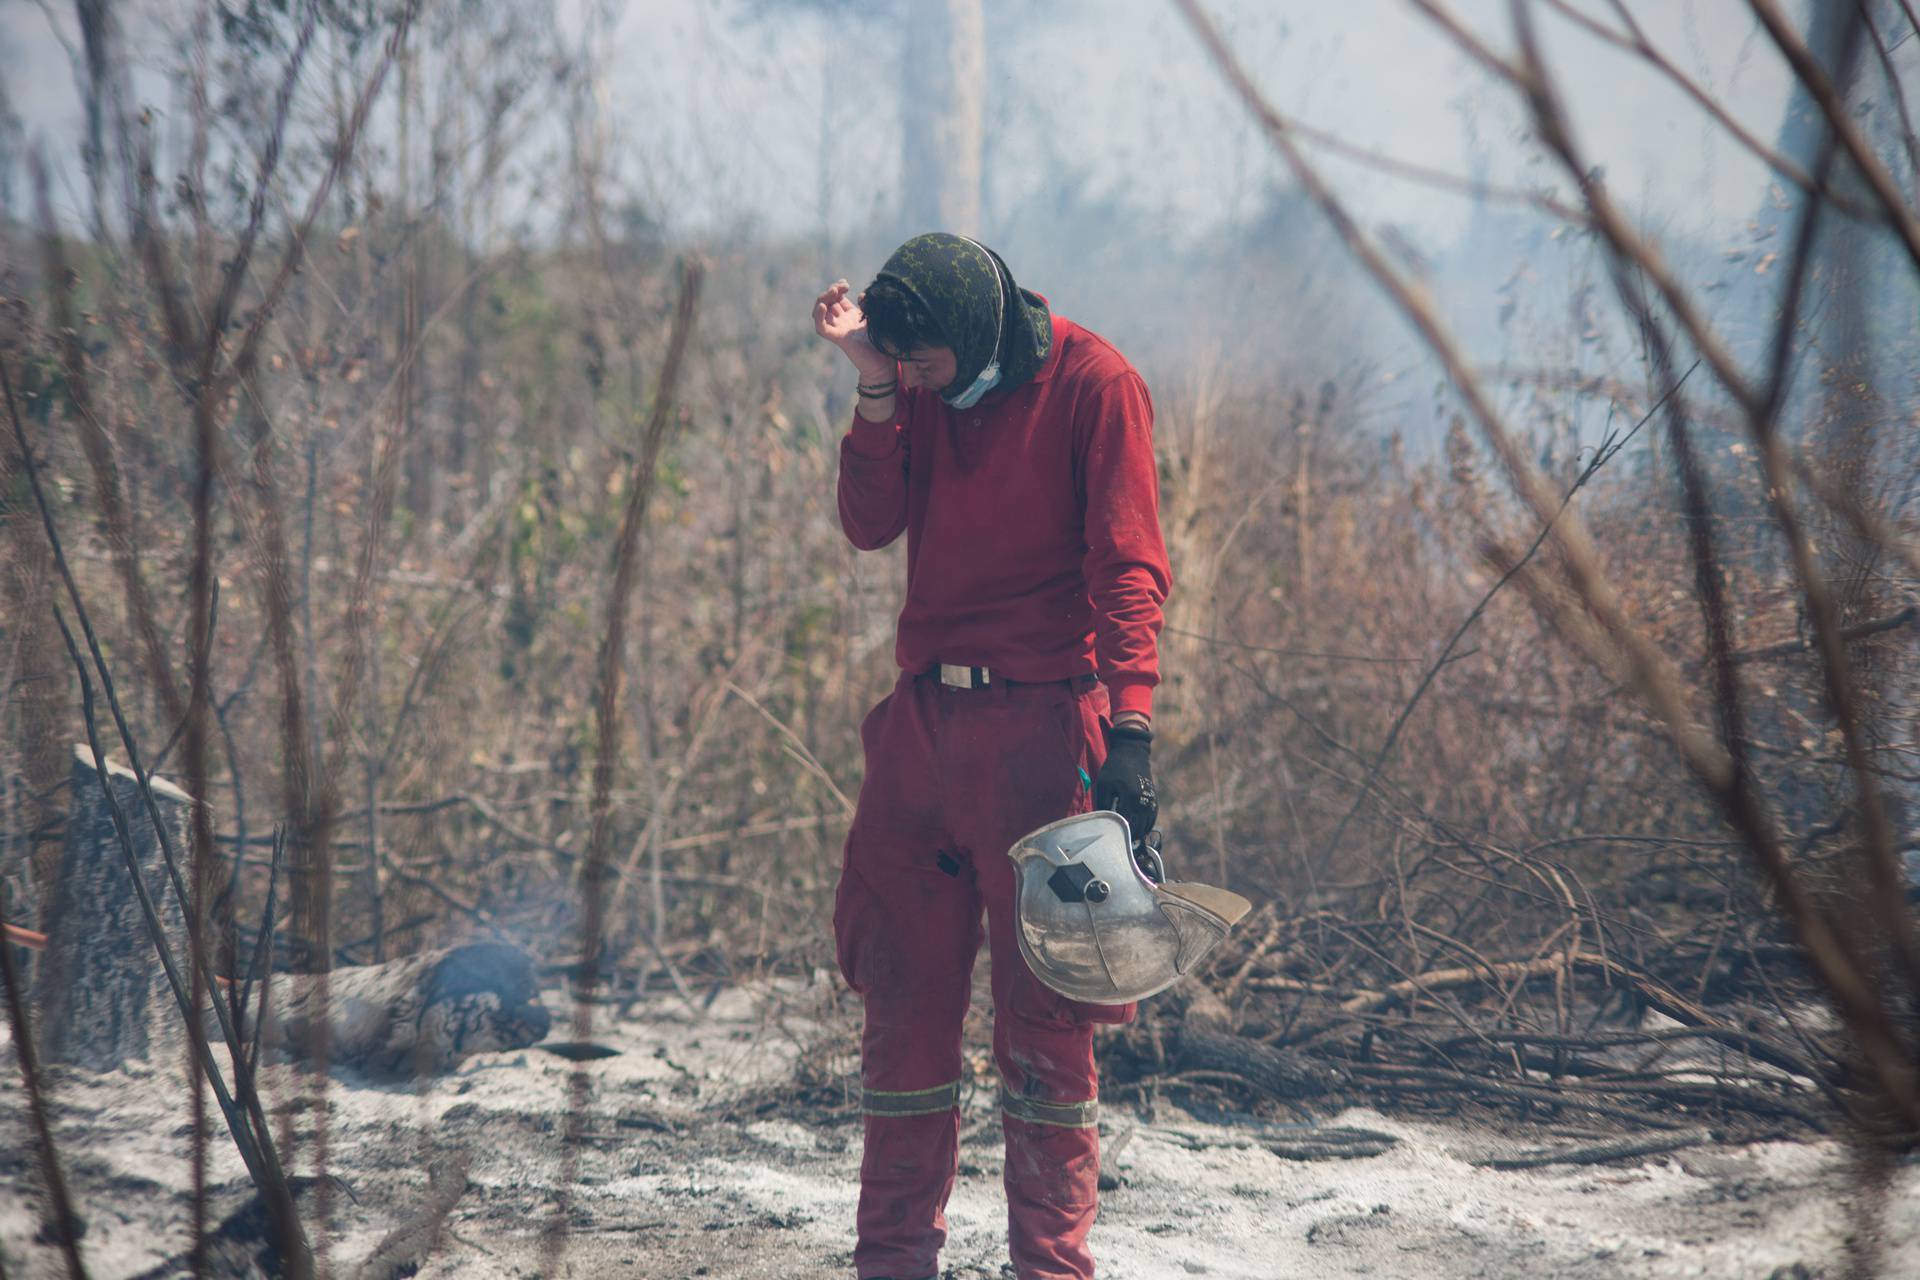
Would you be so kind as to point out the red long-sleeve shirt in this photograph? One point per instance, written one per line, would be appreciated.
(1032, 522)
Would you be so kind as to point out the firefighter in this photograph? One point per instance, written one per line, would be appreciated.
(1014, 449)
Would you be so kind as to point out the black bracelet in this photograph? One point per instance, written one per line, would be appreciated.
(880, 392)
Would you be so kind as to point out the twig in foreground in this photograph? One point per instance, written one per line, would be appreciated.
(65, 1224)
(1605, 453)
(596, 869)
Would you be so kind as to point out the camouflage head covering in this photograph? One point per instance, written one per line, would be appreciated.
(952, 277)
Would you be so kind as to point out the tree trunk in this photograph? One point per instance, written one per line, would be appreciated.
(103, 995)
(942, 99)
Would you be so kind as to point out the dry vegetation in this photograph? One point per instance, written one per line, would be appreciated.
(1501, 789)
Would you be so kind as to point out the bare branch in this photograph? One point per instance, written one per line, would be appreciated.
(1821, 88)
(249, 349)
(1605, 453)
(236, 269)
(108, 486)
(60, 1214)
(1636, 42)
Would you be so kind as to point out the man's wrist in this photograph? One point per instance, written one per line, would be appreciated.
(885, 371)
(1131, 695)
(1134, 719)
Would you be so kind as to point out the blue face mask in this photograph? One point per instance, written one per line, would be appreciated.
(989, 377)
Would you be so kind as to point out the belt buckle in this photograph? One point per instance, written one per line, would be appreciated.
(962, 677)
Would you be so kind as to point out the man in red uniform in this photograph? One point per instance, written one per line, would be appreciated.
(1014, 448)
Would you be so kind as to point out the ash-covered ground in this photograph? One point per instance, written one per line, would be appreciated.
(701, 1161)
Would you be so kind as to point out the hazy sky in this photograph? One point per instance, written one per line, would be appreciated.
(1120, 90)
(723, 116)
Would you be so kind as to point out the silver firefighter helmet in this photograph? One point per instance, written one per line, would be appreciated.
(1094, 927)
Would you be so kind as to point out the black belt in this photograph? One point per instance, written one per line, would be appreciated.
(983, 677)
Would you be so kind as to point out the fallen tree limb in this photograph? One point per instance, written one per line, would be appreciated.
(1686, 1012)
(1658, 995)
(1600, 1152)
(1331, 1144)
(407, 1245)
(486, 812)
(472, 911)
(1270, 1070)
(1295, 985)
(1588, 1096)
(1400, 1076)
(1859, 631)
(1443, 979)
(1288, 1141)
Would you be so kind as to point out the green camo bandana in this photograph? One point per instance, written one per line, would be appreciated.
(953, 278)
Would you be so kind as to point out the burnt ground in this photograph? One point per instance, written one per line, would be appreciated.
(703, 1158)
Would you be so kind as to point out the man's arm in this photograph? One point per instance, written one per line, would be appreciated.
(873, 456)
(873, 475)
(1128, 579)
(1126, 561)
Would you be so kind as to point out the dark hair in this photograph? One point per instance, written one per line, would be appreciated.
(896, 322)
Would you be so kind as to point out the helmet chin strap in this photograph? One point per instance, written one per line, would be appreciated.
(989, 376)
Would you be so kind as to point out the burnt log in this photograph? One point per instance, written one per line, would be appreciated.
(1199, 1046)
(1198, 1034)
(103, 997)
(419, 1015)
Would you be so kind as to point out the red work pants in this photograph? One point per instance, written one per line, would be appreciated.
(954, 777)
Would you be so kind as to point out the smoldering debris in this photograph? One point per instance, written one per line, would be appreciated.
(696, 1153)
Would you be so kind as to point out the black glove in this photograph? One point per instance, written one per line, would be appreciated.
(1125, 784)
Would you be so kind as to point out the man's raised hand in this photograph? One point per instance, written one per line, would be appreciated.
(838, 319)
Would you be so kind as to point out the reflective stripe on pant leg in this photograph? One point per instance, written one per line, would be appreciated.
(1065, 1115)
(911, 1102)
